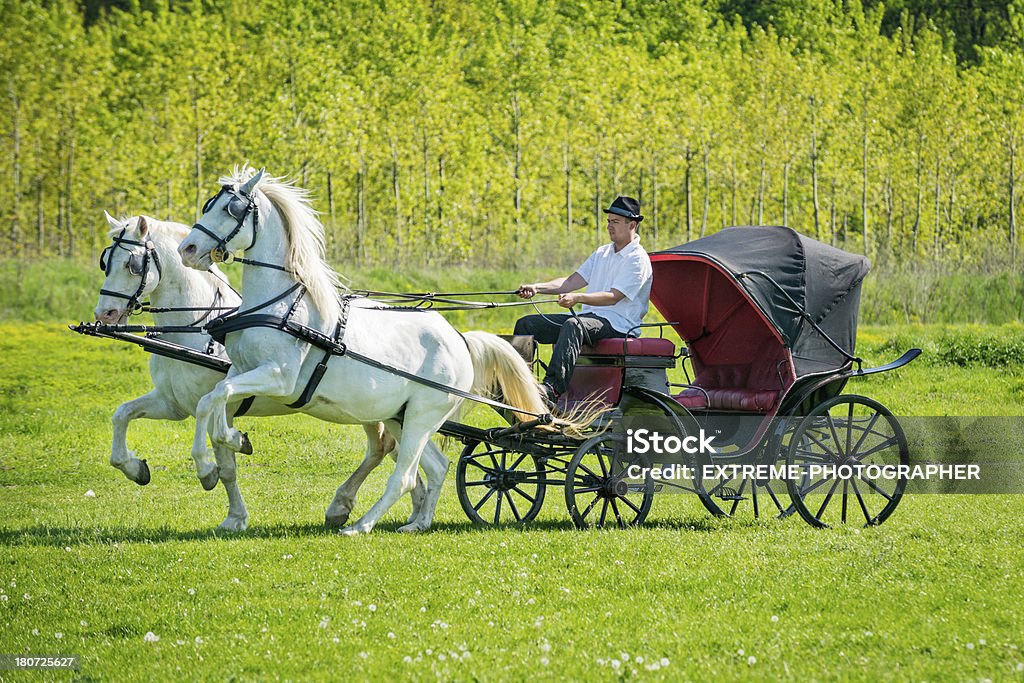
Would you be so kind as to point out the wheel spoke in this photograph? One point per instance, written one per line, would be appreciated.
(630, 503)
(604, 512)
(880, 447)
(867, 430)
(590, 507)
(860, 499)
(846, 486)
(512, 504)
(497, 507)
(824, 504)
(483, 500)
(835, 435)
(483, 468)
(531, 499)
(618, 517)
(476, 483)
(875, 487)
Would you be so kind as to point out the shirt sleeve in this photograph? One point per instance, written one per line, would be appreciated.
(631, 278)
(587, 269)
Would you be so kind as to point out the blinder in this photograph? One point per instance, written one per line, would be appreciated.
(238, 207)
(137, 264)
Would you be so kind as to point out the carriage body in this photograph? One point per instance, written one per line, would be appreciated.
(769, 322)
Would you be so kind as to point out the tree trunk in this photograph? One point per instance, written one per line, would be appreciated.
(814, 171)
(597, 197)
(761, 185)
(15, 235)
(197, 202)
(864, 191)
(732, 165)
(889, 206)
(426, 199)
(707, 193)
(517, 170)
(567, 171)
(330, 208)
(785, 193)
(917, 217)
(40, 228)
(832, 214)
(938, 210)
(689, 192)
(397, 196)
(68, 175)
(1012, 187)
(654, 199)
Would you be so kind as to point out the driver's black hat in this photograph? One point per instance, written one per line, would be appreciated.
(626, 206)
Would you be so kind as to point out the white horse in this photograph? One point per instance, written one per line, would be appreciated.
(273, 223)
(142, 261)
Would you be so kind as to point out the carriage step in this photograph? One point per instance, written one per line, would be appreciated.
(730, 494)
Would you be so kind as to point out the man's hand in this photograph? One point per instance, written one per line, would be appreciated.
(526, 291)
(569, 299)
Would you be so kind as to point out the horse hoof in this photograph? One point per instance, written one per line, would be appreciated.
(353, 531)
(233, 525)
(143, 476)
(335, 522)
(412, 528)
(246, 447)
(209, 481)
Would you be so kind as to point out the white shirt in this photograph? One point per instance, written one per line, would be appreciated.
(629, 271)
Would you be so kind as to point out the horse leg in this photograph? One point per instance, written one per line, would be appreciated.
(153, 406)
(238, 515)
(435, 465)
(211, 412)
(415, 433)
(378, 444)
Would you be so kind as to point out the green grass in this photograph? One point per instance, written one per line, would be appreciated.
(934, 593)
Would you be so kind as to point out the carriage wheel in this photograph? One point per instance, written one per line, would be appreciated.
(725, 495)
(852, 434)
(498, 486)
(598, 488)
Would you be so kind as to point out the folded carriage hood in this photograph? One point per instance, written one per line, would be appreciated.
(820, 279)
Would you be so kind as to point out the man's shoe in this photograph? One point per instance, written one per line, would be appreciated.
(550, 396)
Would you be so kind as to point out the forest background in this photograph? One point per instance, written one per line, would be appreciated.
(491, 134)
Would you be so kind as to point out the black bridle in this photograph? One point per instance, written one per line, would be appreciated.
(136, 265)
(239, 206)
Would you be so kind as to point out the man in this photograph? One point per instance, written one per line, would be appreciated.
(618, 281)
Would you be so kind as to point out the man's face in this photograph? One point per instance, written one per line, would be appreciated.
(620, 228)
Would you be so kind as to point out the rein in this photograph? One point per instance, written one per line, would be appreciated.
(143, 270)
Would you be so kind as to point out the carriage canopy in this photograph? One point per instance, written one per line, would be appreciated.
(748, 293)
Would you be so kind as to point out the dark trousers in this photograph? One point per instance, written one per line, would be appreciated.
(568, 333)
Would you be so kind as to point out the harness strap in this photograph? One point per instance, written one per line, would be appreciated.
(321, 367)
(243, 408)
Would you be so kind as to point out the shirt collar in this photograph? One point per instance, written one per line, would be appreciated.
(633, 244)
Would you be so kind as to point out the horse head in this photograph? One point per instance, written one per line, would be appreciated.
(228, 222)
(132, 267)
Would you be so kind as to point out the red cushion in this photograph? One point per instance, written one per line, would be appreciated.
(751, 400)
(634, 346)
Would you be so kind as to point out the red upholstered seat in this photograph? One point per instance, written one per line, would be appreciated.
(751, 400)
(634, 346)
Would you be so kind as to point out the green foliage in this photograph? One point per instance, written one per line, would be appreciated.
(492, 132)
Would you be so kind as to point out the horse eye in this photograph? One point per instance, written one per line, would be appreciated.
(135, 264)
(236, 207)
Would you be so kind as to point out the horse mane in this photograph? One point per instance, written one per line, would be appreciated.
(306, 249)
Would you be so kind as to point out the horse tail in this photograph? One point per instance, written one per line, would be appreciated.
(499, 371)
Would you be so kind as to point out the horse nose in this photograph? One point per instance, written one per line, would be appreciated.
(111, 315)
(188, 250)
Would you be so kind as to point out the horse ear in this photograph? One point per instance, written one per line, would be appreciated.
(114, 224)
(251, 184)
(143, 226)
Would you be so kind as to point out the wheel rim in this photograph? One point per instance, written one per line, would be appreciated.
(598, 490)
(499, 486)
(852, 431)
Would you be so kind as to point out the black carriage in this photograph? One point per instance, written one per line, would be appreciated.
(769, 321)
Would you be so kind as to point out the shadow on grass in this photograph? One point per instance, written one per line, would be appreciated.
(43, 535)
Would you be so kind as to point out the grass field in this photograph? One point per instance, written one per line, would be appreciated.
(135, 580)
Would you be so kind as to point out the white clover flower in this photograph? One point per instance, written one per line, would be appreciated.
(775, 618)
(90, 494)
(751, 660)
(150, 637)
